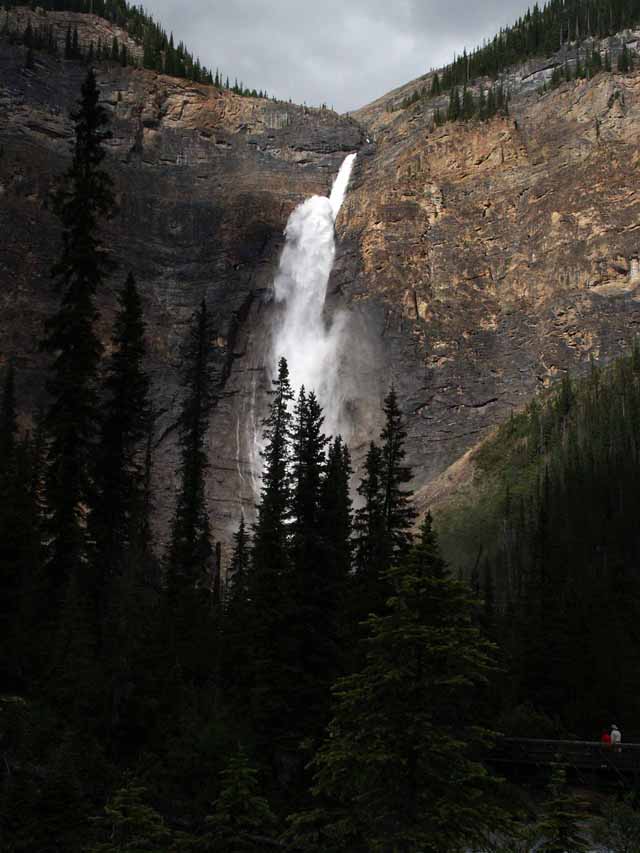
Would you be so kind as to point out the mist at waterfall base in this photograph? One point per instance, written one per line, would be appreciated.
(301, 333)
(312, 344)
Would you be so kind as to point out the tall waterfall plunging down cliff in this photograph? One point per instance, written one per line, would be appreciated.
(309, 343)
(303, 335)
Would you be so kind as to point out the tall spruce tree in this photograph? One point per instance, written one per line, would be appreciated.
(84, 199)
(118, 516)
(190, 557)
(308, 457)
(236, 589)
(399, 514)
(314, 619)
(271, 590)
(271, 550)
(468, 105)
(455, 107)
(331, 581)
(237, 627)
(399, 769)
(130, 825)
(383, 524)
(336, 525)
(560, 823)
(371, 553)
(242, 820)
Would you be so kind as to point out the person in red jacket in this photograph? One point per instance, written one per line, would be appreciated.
(605, 738)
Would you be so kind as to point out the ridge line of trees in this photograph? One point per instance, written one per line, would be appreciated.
(159, 52)
(558, 25)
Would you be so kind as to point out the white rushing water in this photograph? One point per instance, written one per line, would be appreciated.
(311, 344)
(302, 334)
(304, 337)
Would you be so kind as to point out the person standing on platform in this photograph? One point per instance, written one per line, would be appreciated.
(616, 738)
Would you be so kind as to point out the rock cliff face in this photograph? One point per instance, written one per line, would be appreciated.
(498, 254)
(205, 183)
(476, 262)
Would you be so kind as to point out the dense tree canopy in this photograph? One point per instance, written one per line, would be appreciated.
(339, 692)
(159, 51)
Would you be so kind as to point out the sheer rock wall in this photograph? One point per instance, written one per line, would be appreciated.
(476, 262)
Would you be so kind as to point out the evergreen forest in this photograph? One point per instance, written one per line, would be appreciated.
(159, 51)
(575, 28)
(542, 31)
(550, 541)
(149, 703)
(341, 683)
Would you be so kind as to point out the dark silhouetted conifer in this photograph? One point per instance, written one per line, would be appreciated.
(308, 456)
(118, 516)
(371, 553)
(271, 551)
(236, 648)
(119, 520)
(242, 820)
(400, 767)
(316, 579)
(130, 825)
(83, 200)
(236, 588)
(560, 824)
(468, 105)
(190, 559)
(455, 109)
(399, 514)
(335, 516)
(271, 588)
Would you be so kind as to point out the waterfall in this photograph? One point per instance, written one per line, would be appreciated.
(302, 334)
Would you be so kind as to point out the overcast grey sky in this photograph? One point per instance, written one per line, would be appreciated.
(345, 54)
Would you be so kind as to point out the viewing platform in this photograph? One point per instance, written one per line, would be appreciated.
(587, 762)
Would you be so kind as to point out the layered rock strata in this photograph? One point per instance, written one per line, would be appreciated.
(497, 254)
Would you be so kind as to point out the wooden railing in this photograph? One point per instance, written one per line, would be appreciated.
(577, 754)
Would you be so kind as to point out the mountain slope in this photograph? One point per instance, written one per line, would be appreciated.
(476, 261)
(497, 254)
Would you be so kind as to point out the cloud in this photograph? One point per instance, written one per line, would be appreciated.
(341, 54)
